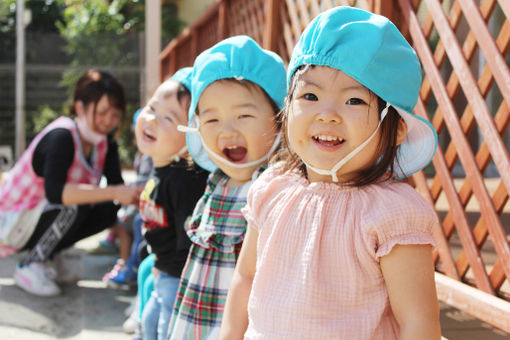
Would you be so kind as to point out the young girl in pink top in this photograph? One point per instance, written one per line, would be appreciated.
(336, 248)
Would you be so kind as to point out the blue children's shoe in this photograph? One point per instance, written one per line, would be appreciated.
(125, 278)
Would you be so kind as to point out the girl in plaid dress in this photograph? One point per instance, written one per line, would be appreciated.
(237, 89)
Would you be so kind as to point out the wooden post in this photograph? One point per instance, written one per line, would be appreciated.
(152, 46)
(173, 62)
(271, 25)
(222, 20)
(194, 43)
(386, 8)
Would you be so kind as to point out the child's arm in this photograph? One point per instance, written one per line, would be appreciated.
(235, 317)
(89, 193)
(408, 271)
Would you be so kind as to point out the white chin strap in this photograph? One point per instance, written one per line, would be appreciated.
(176, 157)
(350, 155)
(223, 160)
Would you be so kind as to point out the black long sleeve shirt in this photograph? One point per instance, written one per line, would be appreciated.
(54, 155)
(168, 200)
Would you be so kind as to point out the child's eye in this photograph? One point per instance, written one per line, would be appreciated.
(310, 96)
(246, 116)
(355, 101)
(209, 121)
(169, 119)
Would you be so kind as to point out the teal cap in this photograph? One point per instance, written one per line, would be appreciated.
(369, 48)
(238, 57)
(183, 76)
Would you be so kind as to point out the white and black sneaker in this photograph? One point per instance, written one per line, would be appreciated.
(35, 278)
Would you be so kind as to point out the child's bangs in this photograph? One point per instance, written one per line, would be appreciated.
(253, 88)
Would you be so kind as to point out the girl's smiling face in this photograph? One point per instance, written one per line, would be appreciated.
(156, 127)
(331, 114)
(237, 122)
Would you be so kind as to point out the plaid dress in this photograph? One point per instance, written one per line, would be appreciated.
(216, 230)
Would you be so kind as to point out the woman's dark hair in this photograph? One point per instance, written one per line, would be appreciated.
(386, 152)
(91, 87)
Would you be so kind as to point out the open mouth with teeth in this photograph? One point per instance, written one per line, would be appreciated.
(235, 154)
(328, 141)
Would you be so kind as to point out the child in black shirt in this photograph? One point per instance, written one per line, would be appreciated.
(169, 195)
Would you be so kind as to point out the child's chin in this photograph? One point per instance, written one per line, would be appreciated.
(240, 175)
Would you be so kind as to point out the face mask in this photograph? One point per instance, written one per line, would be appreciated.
(350, 155)
(221, 159)
(86, 132)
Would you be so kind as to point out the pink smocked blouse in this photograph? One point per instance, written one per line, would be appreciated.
(318, 274)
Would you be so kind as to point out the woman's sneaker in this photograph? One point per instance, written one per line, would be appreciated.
(35, 278)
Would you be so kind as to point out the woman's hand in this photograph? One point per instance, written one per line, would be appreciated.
(127, 195)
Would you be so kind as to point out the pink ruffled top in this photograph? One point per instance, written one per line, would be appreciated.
(318, 274)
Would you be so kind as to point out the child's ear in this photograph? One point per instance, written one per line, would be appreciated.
(401, 131)
(79, 108)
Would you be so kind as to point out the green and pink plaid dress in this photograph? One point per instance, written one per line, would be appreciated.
(217, 230)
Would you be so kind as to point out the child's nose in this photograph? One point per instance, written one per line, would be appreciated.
(228, 131)
(328, 115)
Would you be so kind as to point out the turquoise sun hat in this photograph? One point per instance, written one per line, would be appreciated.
(369, 48)
(136, 114)
(238, 57)
(183, 76)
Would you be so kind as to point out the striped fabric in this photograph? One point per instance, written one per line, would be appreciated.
(217, 230)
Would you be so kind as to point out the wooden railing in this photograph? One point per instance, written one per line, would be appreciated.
(463, 46)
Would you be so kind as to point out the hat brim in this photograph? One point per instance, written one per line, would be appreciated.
(418, 147)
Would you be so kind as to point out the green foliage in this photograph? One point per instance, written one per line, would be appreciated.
(44, 14)
(84, 25)
(7, 15)
(45, 116)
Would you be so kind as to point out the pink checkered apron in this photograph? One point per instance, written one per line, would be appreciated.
(22, 194)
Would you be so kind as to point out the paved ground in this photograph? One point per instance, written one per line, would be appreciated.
(86, 310)
(89, 310)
